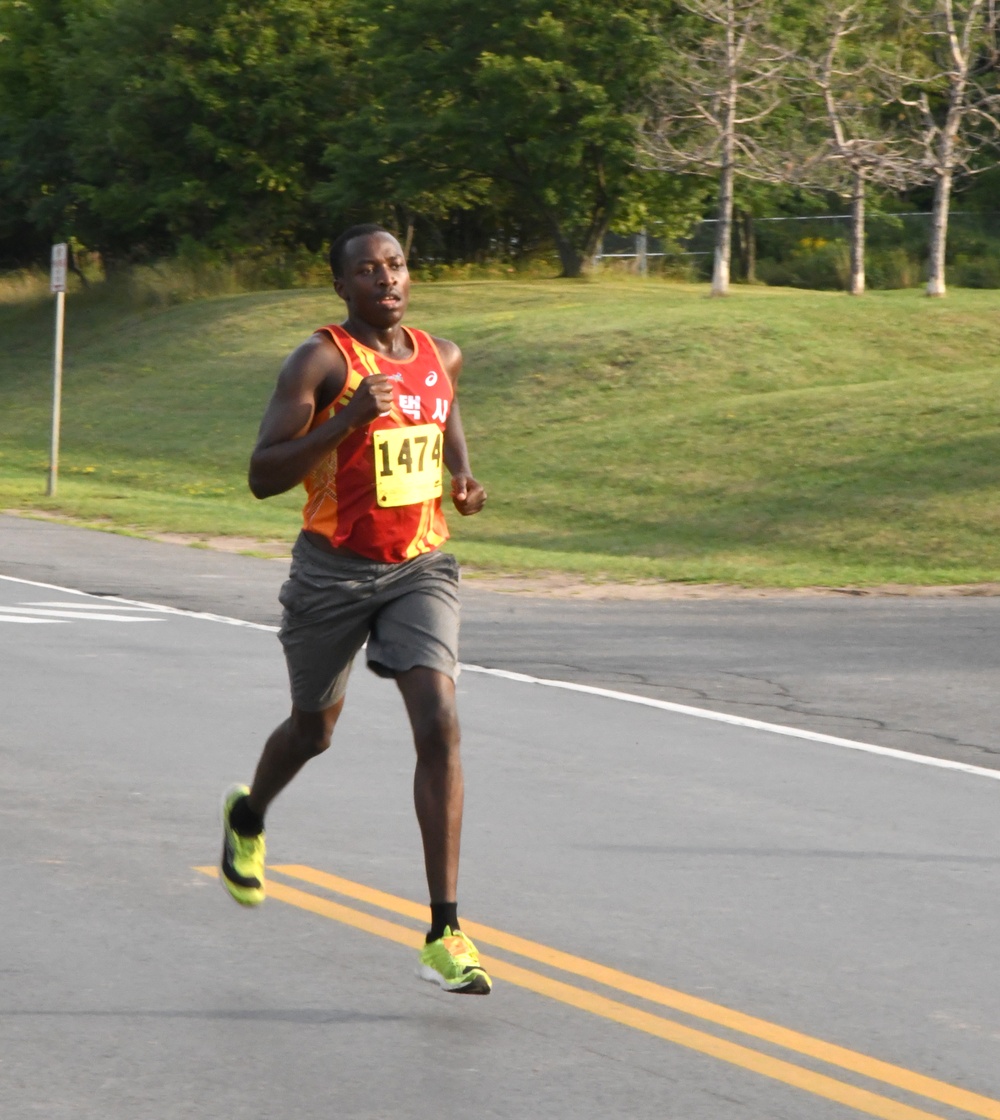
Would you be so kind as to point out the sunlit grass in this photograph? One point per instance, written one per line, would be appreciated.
(624, 428)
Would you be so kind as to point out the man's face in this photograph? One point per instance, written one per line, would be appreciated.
(375, 284)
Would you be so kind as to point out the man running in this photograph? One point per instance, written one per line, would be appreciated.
(365, 415)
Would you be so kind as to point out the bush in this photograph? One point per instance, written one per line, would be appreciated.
(816, 264)
(892, 268)
(197, 272)
(23, 284)
(980, 272)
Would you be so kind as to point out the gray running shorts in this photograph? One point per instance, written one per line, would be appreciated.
(407, 612)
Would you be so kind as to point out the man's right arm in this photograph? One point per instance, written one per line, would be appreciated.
(286, 449)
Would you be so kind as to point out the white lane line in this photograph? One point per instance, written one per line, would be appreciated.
(22, 618)
(742, 721)
(95, 606)
(609, 694)
(78, 615)
(115, 601)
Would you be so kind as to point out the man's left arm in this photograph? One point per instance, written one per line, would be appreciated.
(467, 494)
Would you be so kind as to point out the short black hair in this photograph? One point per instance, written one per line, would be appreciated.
(338, 249)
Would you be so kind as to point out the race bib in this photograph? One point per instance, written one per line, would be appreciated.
(407, 464)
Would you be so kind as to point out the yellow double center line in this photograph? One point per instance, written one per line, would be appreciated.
(787, 1072)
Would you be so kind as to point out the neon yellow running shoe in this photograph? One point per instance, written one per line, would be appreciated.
(242, 856)
(453, 963)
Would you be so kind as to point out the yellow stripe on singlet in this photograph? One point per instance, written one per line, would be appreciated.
(419, 544)
(354, 379)
(368, 360)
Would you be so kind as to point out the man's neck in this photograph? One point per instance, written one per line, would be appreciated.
(393, 342)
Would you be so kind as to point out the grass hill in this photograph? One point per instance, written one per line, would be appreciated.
(623, 428)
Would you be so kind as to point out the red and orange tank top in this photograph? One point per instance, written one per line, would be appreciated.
(379, 492)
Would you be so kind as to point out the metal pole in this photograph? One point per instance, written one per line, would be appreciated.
(641, 263)
(57, 394)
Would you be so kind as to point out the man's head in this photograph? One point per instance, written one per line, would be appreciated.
(370, 275)
(338, 250)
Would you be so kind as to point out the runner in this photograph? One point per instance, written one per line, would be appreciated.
(365, 415)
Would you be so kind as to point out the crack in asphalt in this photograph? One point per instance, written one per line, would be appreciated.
(792, 705)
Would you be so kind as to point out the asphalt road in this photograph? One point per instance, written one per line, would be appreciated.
(796, 930)
(916, 674)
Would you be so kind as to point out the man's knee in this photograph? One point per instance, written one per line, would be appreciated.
(310, 732)
(430, 704)
(437, 733)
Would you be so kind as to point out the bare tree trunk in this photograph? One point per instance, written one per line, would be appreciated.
(939, 234)
(961, 34)
(74, 267)
(857, 284)
(592, 247)
(724, 227)
(572, 262)
(408, 240)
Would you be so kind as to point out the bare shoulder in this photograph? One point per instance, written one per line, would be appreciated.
(316, 358)
(451, 357)
(316, 369)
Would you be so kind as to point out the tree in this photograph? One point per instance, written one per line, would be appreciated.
(204, 120)
(721, 81)
(35, 176)
(524, 105)
(957, 107)
(863, 146)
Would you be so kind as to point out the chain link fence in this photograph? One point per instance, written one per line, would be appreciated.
(813, 251)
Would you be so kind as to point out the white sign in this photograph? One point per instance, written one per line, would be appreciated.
(57, 283)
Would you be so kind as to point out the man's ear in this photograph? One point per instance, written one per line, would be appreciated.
(338, 287)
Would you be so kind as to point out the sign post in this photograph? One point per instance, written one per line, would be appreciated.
(57, 285)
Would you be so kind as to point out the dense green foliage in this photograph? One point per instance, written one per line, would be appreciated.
(482, 130)
(630, 428)
(248, 125)
(216, 137)
(528, 109)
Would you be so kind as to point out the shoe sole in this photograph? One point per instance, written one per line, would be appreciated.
(478, 984)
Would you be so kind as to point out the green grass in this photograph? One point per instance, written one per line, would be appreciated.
(624, 428)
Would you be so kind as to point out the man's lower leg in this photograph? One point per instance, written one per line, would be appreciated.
(288, 748)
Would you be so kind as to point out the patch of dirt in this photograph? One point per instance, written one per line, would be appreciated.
(561, 585)
(277, 550)
(273, 550)
(558, 585)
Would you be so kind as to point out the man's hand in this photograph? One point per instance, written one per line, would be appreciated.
(372, 399)
(467, 494)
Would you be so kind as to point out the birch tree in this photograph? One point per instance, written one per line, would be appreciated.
(707, 110)
(957, 108)
(862, 148)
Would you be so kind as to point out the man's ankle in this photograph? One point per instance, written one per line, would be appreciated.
(244, 820)
(443, 915)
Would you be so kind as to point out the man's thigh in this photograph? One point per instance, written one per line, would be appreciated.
(418, 623)
(328, 609)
